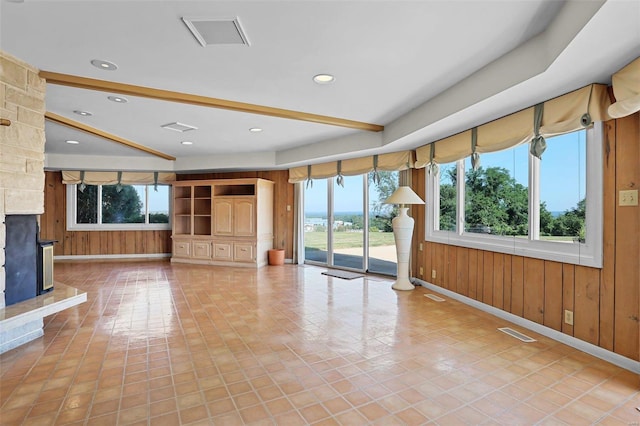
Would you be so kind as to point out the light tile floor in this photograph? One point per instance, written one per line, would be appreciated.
(180, 344)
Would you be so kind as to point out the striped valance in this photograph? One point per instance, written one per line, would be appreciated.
(115, 178)
(567, 113)
(352, 167)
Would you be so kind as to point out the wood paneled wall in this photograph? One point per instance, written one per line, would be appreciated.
(53, 221)
(605, 302)
(283, 218)
(53, 226)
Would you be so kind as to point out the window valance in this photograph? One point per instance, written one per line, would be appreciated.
(567, 113)
(394, 161)
(626, 88)
(115, 178)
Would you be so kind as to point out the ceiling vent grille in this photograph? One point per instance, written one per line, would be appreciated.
(178, 127)
(210, 32)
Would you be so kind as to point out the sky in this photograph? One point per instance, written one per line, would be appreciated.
(158, 201)
(562, 176)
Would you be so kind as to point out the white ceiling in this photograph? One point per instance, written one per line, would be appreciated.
(423, 69)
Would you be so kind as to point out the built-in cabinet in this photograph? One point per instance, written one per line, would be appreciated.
(223, 222)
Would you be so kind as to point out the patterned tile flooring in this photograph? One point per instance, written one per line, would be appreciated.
(180, 344)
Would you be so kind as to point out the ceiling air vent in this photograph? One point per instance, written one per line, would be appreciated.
(178, 127)
(216, 31)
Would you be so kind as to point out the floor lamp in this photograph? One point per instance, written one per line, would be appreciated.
(402, 233)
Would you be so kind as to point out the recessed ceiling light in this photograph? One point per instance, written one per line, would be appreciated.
(324, 78)
(73, 142)
(104, 65)
(118, 99)
(82, 113)
(186, 143)
(255, 129)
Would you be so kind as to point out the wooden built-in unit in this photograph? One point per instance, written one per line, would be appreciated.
(223, 222)
(605, 302)
(283, 215)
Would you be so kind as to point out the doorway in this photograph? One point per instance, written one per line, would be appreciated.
(347, 225)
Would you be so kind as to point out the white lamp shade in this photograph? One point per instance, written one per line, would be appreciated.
(404, 195)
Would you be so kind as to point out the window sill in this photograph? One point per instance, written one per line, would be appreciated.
(121, 227)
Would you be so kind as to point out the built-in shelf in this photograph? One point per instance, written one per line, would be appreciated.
(223, 221)
(248, 189)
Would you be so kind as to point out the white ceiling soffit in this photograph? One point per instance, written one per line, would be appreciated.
(423, 69)
(210, 32)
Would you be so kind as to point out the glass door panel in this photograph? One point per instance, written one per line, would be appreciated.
(348, 223)
(382, 247)
(316, 221)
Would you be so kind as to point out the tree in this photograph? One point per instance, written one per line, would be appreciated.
(496, 203)
(122, 206)
(448, 201)
(384, 213)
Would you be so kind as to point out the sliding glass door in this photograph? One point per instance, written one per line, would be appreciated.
(316, 222)
(347, 234)
(382, 248)
(347, 226)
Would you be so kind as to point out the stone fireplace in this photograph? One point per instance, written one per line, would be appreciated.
(22, 139)
(22, 108)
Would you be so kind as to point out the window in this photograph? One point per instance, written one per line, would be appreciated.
(516, 203)
(128, 207)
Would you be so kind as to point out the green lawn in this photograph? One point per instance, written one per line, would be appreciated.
(318, 240)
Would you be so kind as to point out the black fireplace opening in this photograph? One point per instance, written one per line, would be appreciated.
(20, 258)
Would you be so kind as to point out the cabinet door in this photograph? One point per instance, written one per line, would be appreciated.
(243, 252)
(202, 249)
(244, 218)
(181, 248)
(222, 251)
(223, 217)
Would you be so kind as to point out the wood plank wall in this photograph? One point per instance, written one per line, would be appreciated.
(283, 226)
(53, 226)
(605, 302)
(53, 221)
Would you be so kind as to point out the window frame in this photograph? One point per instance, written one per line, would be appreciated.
(588, 253)
(72, 203)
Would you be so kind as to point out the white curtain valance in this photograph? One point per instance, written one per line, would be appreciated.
(626, 88)
(111, 178)
(567, 113)
(353, 167)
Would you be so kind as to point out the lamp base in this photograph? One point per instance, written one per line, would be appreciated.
(402, 232)
(403, 284)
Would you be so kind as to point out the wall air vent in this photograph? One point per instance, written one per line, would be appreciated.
(210, 32)
(513, 333)
(178, 127)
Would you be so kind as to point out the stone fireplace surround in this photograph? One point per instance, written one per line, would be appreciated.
(22, 139)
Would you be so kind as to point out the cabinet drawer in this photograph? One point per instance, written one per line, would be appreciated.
(243, 252)
(202, 249)
(222, 251)
(181, 248)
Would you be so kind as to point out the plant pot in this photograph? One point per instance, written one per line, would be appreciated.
(276, 257)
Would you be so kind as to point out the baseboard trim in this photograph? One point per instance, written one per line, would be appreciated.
(591, 349)
(113, 256)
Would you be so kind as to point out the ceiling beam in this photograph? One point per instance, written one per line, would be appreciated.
(97, 132)
(185, 98)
